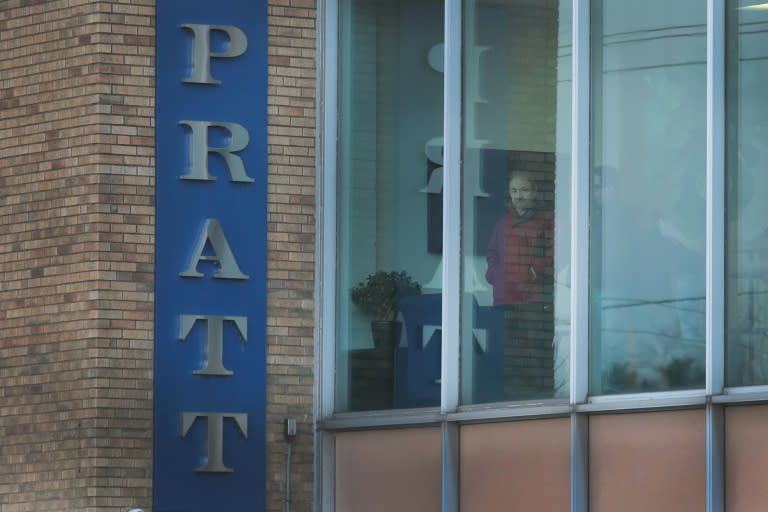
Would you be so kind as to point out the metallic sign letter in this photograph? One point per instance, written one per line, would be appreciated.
(201, 50)
(215, 457)
(222, 254)
(199, 149)
(214, 340)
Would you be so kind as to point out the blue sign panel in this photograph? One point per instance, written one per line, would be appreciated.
(210, 347)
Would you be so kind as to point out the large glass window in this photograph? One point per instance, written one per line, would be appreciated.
(389, 204)
(647, 210)
(746, 178)
(515, 197)
(605, 117)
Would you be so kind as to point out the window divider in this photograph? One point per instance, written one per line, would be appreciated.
(715, 248)
(325, 290)
(580, 183)
(715, 254)
(452, 147)
(580, 178)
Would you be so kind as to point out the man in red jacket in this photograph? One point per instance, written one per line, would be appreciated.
(520, 262)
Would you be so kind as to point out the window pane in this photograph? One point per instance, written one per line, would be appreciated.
(647, 226)
(521, 465)
(388, 470)
(747, 212)
(389, 203)
(516, 187)
(647, 461)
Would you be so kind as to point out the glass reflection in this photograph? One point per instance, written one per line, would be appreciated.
(389, 181)
(516, 183)
(647, 209)
(746, 177)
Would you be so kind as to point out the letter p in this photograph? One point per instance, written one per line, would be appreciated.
(201, 50)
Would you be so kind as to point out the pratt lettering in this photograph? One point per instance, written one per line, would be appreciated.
(215, 457)
(201, 50)
(214, 340)
(199, 150)
(222, 255)
(225, 140)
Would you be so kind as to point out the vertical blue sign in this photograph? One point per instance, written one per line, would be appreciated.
(210, 346)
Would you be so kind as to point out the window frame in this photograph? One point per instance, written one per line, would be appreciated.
(451, 414)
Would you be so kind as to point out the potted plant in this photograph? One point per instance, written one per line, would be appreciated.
(378, 296)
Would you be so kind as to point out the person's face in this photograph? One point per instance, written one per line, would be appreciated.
(522, 193)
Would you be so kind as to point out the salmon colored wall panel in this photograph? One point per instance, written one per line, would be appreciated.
(648, 461)
(515, 466)
(746, 458)
(388, 470)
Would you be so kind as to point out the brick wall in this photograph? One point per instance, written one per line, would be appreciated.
(76, 254)
(291, 246)
(77, 248)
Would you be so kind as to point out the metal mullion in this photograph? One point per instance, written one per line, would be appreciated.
(382, 419)
(451, 300)
(580, 179)
(580, 166)
(325, 464)
(325, 335)
(450, 461)
(511, 411)
(451, 303)
(745, 394)
(579, 463)
(715, 437)
(715, 249)
(325, 280)
(641, 402)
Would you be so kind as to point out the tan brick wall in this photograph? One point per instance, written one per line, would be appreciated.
(77, 249)
(76, 254)
(291, 245)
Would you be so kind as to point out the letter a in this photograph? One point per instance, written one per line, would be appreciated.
(222, 254)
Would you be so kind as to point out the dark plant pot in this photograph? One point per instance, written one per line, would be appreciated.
(386, 333)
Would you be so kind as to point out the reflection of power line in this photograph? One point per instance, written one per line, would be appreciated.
(675, 337)
(636, 302)
(684, 309)
(755, 292)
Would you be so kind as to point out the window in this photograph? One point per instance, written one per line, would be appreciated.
(647, 210)
(746, 160)
(515, 200)
(573, 189)
(389, 183)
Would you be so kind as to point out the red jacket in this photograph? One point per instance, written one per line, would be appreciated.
(519, 257)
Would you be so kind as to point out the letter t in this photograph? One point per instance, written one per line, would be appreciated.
(214, 341)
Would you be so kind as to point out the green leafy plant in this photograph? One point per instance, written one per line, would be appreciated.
(378, 296)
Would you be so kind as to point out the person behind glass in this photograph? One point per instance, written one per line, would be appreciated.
(520, 262)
